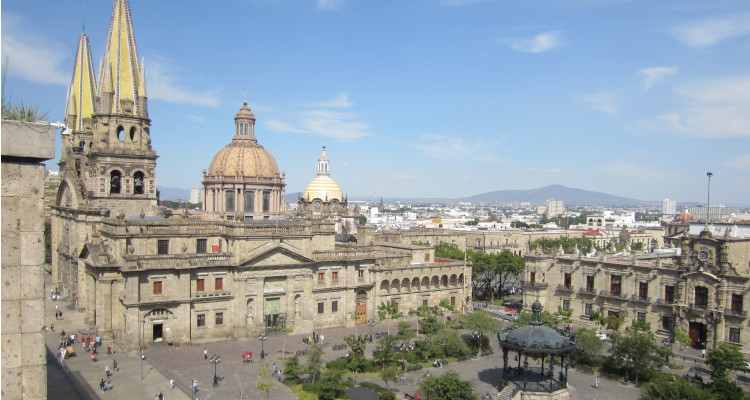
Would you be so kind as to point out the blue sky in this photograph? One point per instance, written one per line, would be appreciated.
(439, 98)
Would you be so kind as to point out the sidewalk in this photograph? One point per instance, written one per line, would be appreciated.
(84, 375)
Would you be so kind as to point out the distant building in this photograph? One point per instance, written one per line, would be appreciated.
(51, 183)
(195, 196)
(554, 207)
(669, 207)
(717, 213)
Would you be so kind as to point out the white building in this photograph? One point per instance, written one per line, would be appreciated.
(554, 207)
(195, 196)
(669, 207)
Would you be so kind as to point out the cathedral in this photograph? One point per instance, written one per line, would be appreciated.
(243, 266)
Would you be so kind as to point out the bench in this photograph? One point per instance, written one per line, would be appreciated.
(301, 352)
(339, 346)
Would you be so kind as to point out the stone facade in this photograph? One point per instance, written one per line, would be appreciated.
(702, 292)
(24, 357)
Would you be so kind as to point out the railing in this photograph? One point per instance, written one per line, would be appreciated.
(666, 303)
(537, 285)
(641, 299)
(735, 312)
(590, 291)
(614, 295)
(565, 288)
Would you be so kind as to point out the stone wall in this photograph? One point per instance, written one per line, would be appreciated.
(24, 147)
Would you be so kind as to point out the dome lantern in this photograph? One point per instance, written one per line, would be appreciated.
(244, 124)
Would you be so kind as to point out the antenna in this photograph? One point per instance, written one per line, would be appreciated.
(245, 94)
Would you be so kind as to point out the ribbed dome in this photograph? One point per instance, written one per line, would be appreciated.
(323, 188)
(244, 159)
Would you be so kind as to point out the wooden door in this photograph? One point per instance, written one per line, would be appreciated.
(361, 307)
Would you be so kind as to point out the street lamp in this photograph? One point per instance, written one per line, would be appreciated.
(476, 335)
(215, 360)
(262, 338)
(371, 323)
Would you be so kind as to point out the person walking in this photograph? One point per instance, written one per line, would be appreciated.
(205, 354)
(195, 386)
(171, 383)
(596, 382)
(703, 352)
(107, 371)
(114, 366)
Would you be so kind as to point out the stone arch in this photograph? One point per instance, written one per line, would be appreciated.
(444, 280)
(66, 196)
(159, 313)
(435, 281)
(405, 284)
(120, 133)
(415, 284)
(138, 182)
(461, 279)
(133, 131)
(453, 280)
(250, 313)
(426, 282)
(396, 285)
(115, 181)
(385, 286)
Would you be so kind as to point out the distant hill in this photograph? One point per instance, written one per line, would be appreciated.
(569, 196)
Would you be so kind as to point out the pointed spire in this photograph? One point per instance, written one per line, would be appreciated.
(121, 63)
(323, 164)
(82, 90)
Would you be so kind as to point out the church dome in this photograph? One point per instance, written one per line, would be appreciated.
(323, 188)
(244, 157)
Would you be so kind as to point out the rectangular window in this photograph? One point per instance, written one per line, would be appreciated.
(736, 302)
(453, 301)
(589, 283)
(567, 280)
(201, 245)
(335, 276)
(701, 296)
(395, 303)
(219, 284)
(219, 318)
(361, 275)
(266, 201)
(250, 201)
(334, 306)
(587, 308)
(669, 294)
(157, 287)
(163, 247)
(532, 277)
(615, 284)
(230, 201)
(642, 316)
(321, 307)
(667, 323)
(201, 320)
(566, 305)
(200, 285)
(321, 278)
(734, 335)
(424, 303)
(643, 290)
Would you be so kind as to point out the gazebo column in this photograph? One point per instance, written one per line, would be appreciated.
(505, 361)
(542, 365)
(525, 369)
(566, 369)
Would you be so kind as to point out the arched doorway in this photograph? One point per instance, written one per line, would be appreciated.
(361, 307)
(158, 319)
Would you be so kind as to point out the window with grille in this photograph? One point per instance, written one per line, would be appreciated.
(566, 305)
(219, 284)
(157, 287)
(615, 284)
(643, 290)
(201, 245)
(589, 283)
(219, 318)
(321, 277)
(568, 280)
(736, 302)
(200, 285)
(587, 308)
(335, 276)
(163, 247)
(701, 296)
(334, 306)
(321, 307)
(642, 316)
(201, 320)
(669, 294)
(734, 335)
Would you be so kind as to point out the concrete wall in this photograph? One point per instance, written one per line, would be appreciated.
(24, 147)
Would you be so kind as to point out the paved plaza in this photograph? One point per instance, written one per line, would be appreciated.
(143, 379)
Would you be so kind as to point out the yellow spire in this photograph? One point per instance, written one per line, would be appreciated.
(81, 93)
(120, 73)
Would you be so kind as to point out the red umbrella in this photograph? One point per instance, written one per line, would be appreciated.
(247, 356)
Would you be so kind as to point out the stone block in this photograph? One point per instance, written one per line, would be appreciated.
(32, 219)
(11, 387)
(11, 354)
(32, 282)
(34, 381)
(11, 277)
(11, 184)
(32, 181)
(33, 351)
(28, 140)
(11, 213)
(32, 315)
(32, 248)
(11, 322)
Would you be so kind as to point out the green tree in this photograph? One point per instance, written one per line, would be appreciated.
(362, 220)
(314, 361)
(524, 319)
(389, 311)
(292, 369)
(672, 387)
(447, 250)
(356, 352)
(447, 386)
(682, 337)
(427, 318)
(383, 353)
(329, 387)
(638, 351)
(387, 396)
(724, 358)
(587, 344)
(727, 390)
(389, 374)
(482, 322)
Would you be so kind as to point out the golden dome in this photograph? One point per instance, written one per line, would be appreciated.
(323, 188)
(244, 159)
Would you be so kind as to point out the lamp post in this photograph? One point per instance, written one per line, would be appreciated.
(371, 323)
(262, 338)
(215, 360)
(476, 335)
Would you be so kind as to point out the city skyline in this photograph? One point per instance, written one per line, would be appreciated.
(440, 99)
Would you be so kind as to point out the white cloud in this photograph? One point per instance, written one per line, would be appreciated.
(340, 101)
(454, 148)
(400, 176)
(739, 162)
(330, 5)
(554, 170)
(628, 170)
(162, 85)
(196, 118)
(654, 75)
(540, 43)
(31, 57)
(282, 127)
(336, 125)
(709, 32)
(713, 109)
(603, 102)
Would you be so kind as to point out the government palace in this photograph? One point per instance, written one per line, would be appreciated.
(244, 265)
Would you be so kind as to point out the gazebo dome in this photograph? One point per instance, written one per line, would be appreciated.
(537, 339)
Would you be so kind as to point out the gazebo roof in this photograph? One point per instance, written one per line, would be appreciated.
(536, 337)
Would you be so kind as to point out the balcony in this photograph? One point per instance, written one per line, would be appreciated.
(564, 288)
(639, 299)
(536, 285)
(665, 303)
(589, 291)
(735, 313)
(699, 308)
(613, 295)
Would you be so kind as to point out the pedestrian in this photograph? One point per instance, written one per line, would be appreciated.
(171, 383)
(275, 369)
(195, 386)
(107, 371)
(114, 365)
(103, 386)
(52, 328)
(205, 354)
(160, 397)
(61, 314)
(596, 383)
(703, 352)
(109, 383)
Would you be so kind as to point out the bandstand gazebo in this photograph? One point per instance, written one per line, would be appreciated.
(538, 341)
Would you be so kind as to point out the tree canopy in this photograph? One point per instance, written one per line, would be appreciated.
(447, 386)
(724, 358)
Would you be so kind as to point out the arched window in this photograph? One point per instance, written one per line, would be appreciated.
(249, 201)
(132, 133)
(138, 183)
(229, 201)
(266, 201)
(120, 133)
(114, 181)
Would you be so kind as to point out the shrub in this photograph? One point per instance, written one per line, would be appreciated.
(413, 367)
(388, 396)
(302, 394)
(339, 363)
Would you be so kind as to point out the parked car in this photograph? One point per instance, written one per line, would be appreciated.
(601, 335)
(510, 316)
